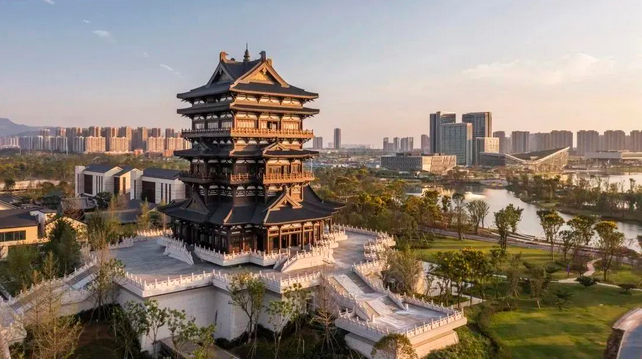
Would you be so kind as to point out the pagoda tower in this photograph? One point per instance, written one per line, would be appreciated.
(248, 188)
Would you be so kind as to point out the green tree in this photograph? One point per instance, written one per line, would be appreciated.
(64, 245)
(394, 346)
(9, 183)
(247, 293)
(279, 314)
(156, 318)
(460, 214)
(21, 262)
(537, 283)
(584, 227)
(403, 270)
(609, 244)
(551, 222)
(477, 211)
(144, 218)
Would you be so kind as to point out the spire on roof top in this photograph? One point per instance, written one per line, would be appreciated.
(246, 56)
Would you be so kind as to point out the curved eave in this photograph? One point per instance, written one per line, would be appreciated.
(226, 106)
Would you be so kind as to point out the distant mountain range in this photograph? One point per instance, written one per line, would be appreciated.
(9, 128)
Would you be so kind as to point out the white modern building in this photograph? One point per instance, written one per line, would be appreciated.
(484, 145)
(152, 185)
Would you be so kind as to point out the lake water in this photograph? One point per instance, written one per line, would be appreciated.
(498, 199)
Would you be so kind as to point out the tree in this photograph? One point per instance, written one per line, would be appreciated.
(480, 267)
(204, 339)
(562, 298)
(9, 183)
(130, 323)
(298, 297)
(627, 287)
(584, 227)
(394, 346)
(156, 318)
(21, 262)
(586, 281)
(144, 218)
(105, 285)
(279, 314)
(537, 282)
(403, 270)
(181, 330)
(478, 210)
(51, 335)
(609, 244)
(506, 220)
(324, 317)
(460, 213)
(551, 222)
(247, 293)
(569, 241)
(513, 275)
(103, 199)
(497, 257)
(64, 245)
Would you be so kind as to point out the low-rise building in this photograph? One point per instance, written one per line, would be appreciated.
(433, 163)
(546, 160)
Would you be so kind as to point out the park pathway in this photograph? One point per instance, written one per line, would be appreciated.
(631, 344)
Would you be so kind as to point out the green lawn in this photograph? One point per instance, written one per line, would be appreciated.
(579, 331)
(618, 275)
(535, 256)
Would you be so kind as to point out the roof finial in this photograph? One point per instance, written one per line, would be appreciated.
(246, 57)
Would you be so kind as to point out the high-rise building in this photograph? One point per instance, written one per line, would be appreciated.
(540, 141)
(140, 136)
(95, 144)
(44, 132)
(636, 140)
(395, 144)
(155, 132)
(118, 144)
(587, 141)
(170, 133)
(482, 123)
(484, 145)
(60, 131)
(386, 144)
(425, 143)
(437, 120)
(561, 139)
(614, 140)
(317, 142)
(520, 142)
(407, 143)
(337, 138)
(504, 142)
(457, 139)
(94, 131)
(155, 144)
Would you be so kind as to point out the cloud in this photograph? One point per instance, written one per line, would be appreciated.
(104, 34)
(566, 69)
(145, 55)
(50, 2)
(86, 21)
(170, 69)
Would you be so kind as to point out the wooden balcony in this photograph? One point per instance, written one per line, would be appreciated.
(201, 178)
(288, 178)
(243, 132)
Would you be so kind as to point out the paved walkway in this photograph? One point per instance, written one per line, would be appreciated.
(631, 345)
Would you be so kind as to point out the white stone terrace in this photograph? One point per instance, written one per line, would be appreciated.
(150, 272)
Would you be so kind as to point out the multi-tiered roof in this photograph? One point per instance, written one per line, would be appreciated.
(247, 163)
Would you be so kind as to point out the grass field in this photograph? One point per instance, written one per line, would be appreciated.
(579, 331)
(536, 256)
(618, 275)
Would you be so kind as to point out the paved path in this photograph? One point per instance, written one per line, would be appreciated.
(590, 268)
(631, 345)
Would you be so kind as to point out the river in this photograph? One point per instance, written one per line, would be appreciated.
(498, 199)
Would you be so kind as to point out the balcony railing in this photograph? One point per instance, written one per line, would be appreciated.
(194, 133)
(203, 177)
(286, 178)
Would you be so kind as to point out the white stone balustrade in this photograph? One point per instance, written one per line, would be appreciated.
(316, 256)
(178, 251)
(124, 243)
(260, 258)
(144, 288)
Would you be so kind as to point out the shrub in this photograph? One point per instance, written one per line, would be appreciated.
(586, 281)
(627, 287)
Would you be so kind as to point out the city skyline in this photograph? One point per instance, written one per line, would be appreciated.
(536, 70)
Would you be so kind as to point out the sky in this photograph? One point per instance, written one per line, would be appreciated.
(380, 67)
